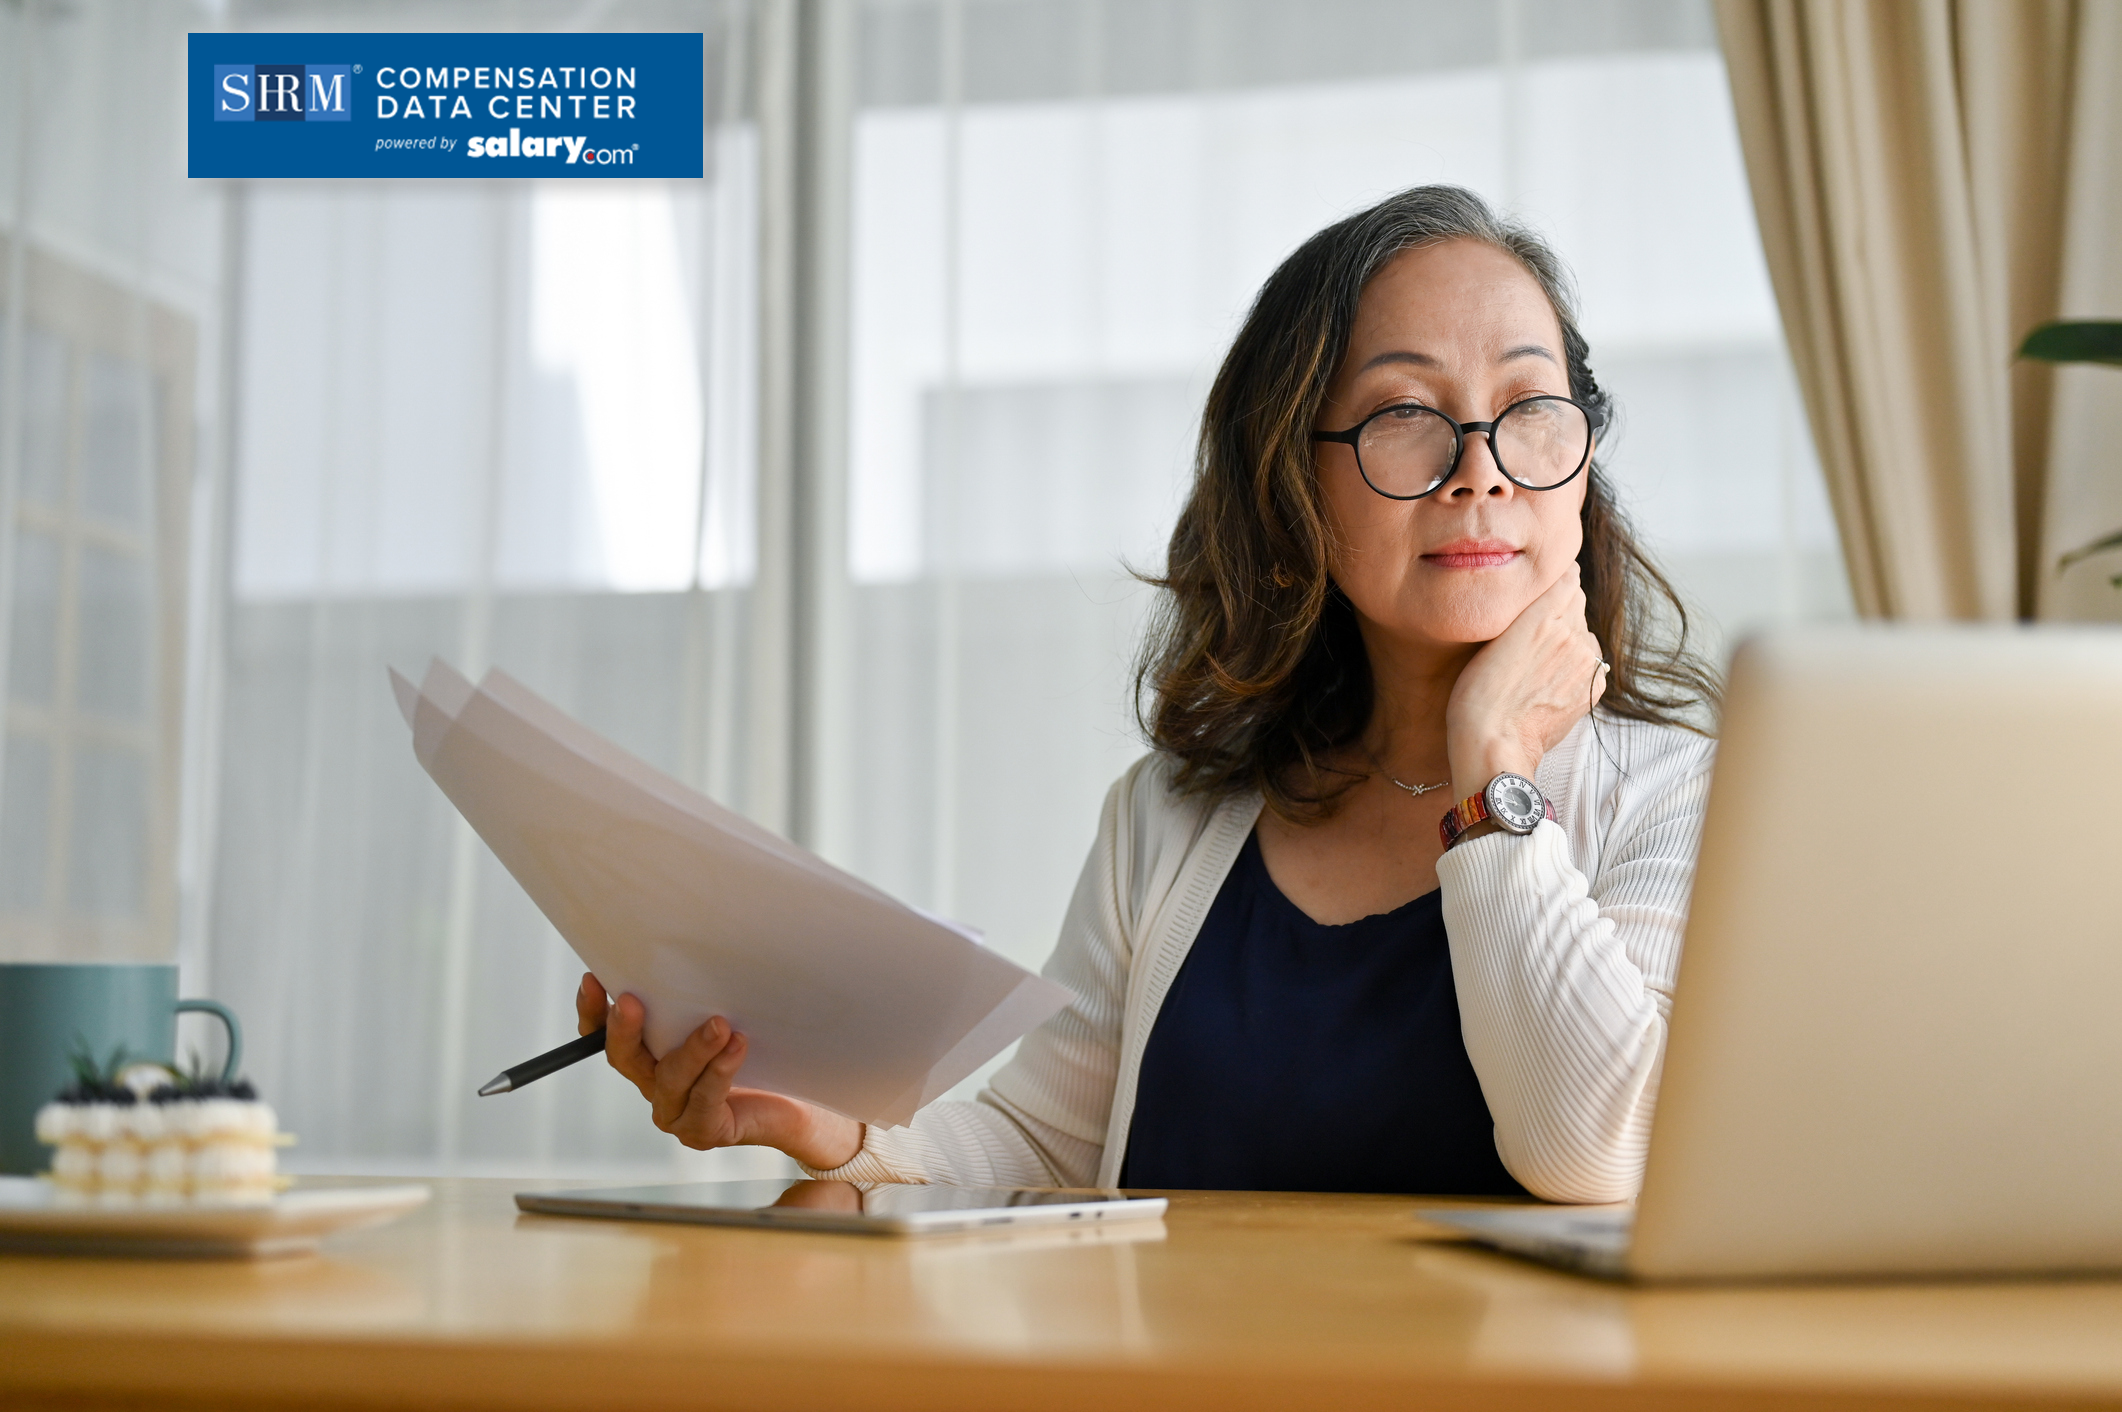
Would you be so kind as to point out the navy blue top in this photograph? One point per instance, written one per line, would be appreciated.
(1294, 1056)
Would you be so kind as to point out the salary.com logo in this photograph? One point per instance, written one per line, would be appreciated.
(574, 148)
(283, 93)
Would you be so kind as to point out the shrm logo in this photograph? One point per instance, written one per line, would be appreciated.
(283, 93)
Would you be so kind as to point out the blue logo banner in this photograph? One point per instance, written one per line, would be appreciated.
(444, 105)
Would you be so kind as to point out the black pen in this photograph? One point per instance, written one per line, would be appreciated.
(552, 1061)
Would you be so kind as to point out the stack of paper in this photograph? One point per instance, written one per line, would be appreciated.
(849, 998)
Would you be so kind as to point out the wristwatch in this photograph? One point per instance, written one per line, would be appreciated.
(1511, 800)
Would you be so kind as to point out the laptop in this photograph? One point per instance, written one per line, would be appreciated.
(1896, 1041)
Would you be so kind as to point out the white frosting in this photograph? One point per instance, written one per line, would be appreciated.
(217, 1150)
(56, 1122)
(120, 1166)
(98, 1122)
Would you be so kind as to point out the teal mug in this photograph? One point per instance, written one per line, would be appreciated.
(48, 1011)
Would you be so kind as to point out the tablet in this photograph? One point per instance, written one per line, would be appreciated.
(862, 1208)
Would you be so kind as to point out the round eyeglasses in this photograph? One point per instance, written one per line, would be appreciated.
(1405, 452)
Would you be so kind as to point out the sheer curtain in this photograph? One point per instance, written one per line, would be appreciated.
(109, 272)
(1061, 209)
(817, 482)
(511, 424)
(267, 439)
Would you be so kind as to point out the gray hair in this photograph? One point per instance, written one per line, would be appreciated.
(1368, 241)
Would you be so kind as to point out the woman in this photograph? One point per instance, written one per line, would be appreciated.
(1399, 584)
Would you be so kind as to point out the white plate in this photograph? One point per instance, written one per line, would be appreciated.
(32, 1219)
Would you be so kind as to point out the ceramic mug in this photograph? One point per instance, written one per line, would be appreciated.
(50, 1010)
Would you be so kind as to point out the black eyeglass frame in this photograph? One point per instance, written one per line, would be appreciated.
(1593, 419)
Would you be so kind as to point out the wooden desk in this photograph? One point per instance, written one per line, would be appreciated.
(1282, 1302)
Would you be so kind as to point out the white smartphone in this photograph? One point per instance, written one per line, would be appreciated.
(862, 1208)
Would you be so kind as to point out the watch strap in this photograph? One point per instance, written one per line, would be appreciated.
(1473, 810)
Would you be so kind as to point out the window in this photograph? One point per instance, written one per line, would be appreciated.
(818, 483)
(94, 652)
(1062, 209)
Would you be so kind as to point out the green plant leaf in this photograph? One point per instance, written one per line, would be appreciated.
(82, 1060)
(2075, 341)
(2086, 551)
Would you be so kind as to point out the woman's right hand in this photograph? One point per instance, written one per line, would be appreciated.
(691, 1090)
(1523, 692)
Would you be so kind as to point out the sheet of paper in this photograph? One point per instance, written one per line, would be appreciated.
(849, 997)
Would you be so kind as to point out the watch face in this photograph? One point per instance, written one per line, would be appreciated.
(1515, 802)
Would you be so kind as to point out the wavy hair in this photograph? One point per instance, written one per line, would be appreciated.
(1253, 671)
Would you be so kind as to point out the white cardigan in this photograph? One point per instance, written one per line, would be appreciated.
(1564, 945)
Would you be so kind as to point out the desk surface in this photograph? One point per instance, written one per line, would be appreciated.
(1239, 1301)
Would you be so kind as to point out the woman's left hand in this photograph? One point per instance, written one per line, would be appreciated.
(1522, 692)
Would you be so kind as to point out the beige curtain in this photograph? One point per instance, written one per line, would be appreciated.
(2085, 444)
(1908, 161)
